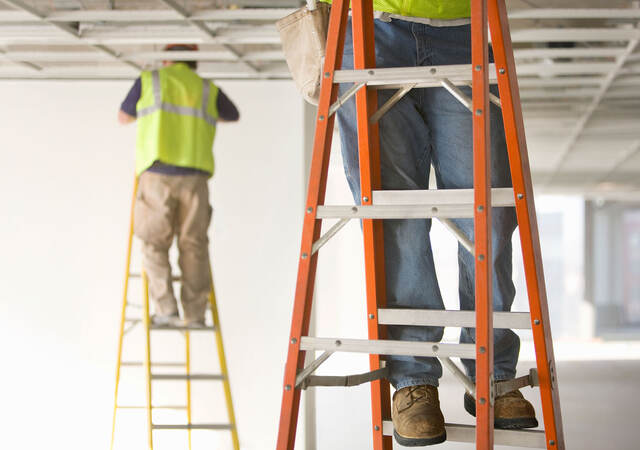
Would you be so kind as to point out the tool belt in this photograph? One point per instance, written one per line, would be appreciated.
(304, 37)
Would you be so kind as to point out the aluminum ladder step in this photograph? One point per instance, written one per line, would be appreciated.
(153, 364)
(182, 328)
(417, 204)
(467, 433)
(449, 318)
(428, 76)
(134, 320)
(194, 426)
(389, 347)
(394, 212)
(190, 377)
(171, 407)
(138, 275)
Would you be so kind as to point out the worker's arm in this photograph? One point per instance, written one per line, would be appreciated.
(124, 118)
(227, 111)
(128, 113)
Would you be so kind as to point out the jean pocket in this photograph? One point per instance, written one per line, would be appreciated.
(150, 225)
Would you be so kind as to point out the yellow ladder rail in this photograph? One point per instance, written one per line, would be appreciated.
(147, 363)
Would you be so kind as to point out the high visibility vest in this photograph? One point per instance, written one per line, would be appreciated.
(430, 9)
(177, 114)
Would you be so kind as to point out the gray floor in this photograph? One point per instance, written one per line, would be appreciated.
(599, 404)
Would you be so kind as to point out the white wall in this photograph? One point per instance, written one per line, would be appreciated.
(65, 183)
(66, 179)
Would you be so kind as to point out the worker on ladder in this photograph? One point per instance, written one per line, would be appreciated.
(177, 112)
(429, 127)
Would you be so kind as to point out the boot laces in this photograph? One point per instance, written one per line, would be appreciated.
(417, 394)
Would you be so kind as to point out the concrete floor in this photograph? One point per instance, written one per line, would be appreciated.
(599, 402)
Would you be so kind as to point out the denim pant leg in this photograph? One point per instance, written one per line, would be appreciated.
(452, 140)
(405, 161)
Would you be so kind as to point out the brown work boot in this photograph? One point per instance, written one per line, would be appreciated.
(510, 412)
(417, 419)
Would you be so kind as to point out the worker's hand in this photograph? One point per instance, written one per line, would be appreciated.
(124, 118)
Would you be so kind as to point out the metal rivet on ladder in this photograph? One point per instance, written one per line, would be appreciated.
(483, 350)
(478, 68)
(377, 428)
(287, 387)
(433, 70)
(321, 118)
(309, 209)
(371, 316)
(536, 322)
(481, 208)
(520, 196)
(327, 74)
(502, 71)
(434, 210)
(435, 348)
(478, 112)
(483, 401)
(552, 442)
(338, 343)
(365, 199)
(354, 209)
(304, 256)
(371, 72)
(481, 257)
(294, 340)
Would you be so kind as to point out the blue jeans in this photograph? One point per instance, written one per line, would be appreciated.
(430, 127)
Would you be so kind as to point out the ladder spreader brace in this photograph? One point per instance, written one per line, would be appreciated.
(444, 205)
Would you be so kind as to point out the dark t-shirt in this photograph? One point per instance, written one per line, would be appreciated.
(227, 111)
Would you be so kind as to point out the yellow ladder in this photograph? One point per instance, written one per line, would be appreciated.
(128, 323)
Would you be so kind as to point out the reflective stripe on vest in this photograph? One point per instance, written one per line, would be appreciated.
(176, 109)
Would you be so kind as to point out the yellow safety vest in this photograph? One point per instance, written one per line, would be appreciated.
(177, 114)
(430, 9)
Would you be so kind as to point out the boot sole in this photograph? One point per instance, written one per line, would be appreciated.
(419, 442)
(516, 423)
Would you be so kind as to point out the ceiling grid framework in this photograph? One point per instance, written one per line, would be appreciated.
(578, 66)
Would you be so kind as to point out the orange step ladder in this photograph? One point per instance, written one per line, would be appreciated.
(378, 205)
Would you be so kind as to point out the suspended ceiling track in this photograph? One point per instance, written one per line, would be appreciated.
(66, 28)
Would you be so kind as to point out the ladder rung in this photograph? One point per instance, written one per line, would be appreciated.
(191, 377)
(181, 328)
(440, 318)
(138, 275)
(153, 364)
(394, 211)
(195, 426)
(388, 347)
(178, 407)
(467, 433)
(441, 197)
(400, 76)
(134, 320)
(418, 204)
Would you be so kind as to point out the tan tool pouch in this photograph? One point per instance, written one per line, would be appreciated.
(304, 38)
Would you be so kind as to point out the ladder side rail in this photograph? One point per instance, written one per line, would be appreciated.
(147, 355)
(370, 179)
(482, 225)
(123, 313)
(187, 370)
(223, 364)
(527, 222)
(312, 225)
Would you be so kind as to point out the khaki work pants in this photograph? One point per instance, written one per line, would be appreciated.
(168, 206)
